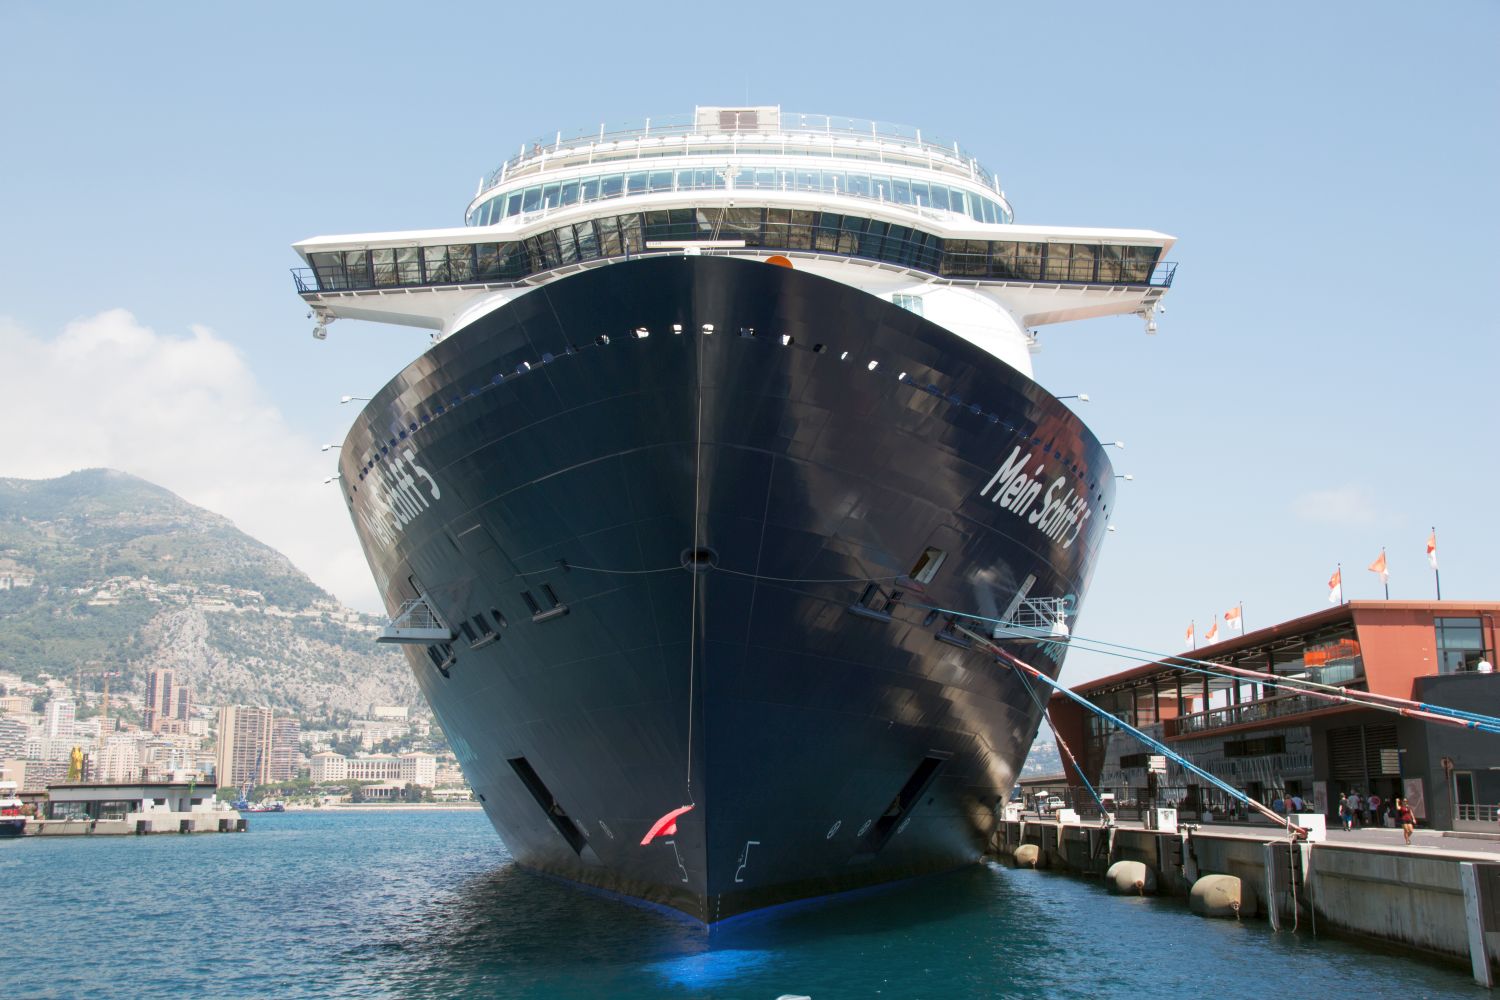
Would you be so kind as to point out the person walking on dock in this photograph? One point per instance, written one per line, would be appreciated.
(1406, 819)
(1355, 805)
(1346, 815)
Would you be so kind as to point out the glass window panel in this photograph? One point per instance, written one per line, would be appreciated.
(901, 191)
(487, 256)
(1058, 259)
(826, 236)
(658, 226)
(1029, 261)
(661, 180)
(635, 182)
(434, 264)
(567, 248)
(549, 196)
(983, 210)
(1109, 263)
(329, 267)
(707, 180)
(859, 185)
(742, 220)
(630, 233)
(709, 220)
(461, 262)
(1003, 260)
(531, 199)
(872, 244)
(588, 190)
(611, 185)
(569, 193)
(1083, 262)
(881, 187)
(686, 180)
(897, 245)
(513, 204)
(920, 194)
(588, 244)
(609, 237)
(408, 266)
(940, 196)
(357, 268)
(384, 263)
(807, 180)
(548, 242)
(832, 182)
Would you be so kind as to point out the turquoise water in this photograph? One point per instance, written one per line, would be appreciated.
(430, 905)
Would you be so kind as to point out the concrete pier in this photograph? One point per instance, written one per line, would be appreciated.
(1440, 896)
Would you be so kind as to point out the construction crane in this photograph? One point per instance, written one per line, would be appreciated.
(104, 712)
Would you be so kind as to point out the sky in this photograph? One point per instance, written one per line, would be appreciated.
(1321, 385)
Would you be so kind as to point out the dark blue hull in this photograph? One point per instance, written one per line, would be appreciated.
(684, 570)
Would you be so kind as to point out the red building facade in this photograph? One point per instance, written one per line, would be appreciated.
(1274, 743)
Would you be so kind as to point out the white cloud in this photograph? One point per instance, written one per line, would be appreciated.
(1347, 505)
(185, 413)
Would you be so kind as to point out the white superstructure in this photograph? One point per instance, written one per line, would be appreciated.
(914, 221)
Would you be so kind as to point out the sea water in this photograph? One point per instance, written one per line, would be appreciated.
(429, 904)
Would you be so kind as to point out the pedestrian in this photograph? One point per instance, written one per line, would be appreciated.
(1373, 802)
(1346, 816)
(1297, 803)
(1407, 820)
(1356, 803)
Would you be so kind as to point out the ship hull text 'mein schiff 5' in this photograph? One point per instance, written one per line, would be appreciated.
(726, 425)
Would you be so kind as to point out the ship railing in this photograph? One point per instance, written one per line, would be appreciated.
(676, 134)
(416, 623)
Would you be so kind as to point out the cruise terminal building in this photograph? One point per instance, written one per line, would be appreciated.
(1275, 743)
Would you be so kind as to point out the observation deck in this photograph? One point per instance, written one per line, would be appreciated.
(641, 157)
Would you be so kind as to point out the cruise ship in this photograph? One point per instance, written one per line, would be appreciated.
(725, 441)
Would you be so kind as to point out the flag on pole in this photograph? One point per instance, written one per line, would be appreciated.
(1232, 618)
(1432, 549)
(1188, 638)
(1378, 567)
(1213, 633)
(1336, 587)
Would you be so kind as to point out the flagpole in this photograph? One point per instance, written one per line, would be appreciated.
(1194, 626)
(1437, 578)
(1385, 577)
(1242, 618)
(1342, 598)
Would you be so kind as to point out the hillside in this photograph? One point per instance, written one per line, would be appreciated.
(101, 569)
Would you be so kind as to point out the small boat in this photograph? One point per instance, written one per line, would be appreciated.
(12, 819)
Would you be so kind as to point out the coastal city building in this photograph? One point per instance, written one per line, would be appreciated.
(285, 737)
(59, 716)
(403, 769)
(1276, 743)
(167, 699)
(245, 738)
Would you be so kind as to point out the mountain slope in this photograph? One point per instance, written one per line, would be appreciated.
(105, 571)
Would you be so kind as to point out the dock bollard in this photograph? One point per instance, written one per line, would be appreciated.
(1131, 878)
(1027, 856)
(1221, 896)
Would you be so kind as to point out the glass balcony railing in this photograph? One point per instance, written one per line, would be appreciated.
(787, 132)
(1252, 711)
